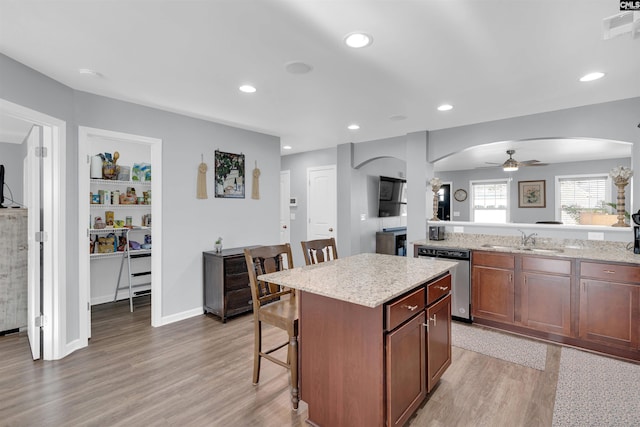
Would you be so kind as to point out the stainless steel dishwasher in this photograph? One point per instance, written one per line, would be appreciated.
(460, 278)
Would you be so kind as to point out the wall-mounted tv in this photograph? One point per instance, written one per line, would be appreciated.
(392, 197)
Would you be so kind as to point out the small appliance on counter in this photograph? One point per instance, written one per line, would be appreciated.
(436, 232)
(636, 232)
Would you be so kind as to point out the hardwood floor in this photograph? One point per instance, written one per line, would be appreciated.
(197, 372)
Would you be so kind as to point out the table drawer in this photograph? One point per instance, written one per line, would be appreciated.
(406, 307)
(236, 281)
(235, 265)
(438, 289)
(611, 272)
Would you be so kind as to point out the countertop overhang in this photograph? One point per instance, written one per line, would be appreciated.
(367, 279)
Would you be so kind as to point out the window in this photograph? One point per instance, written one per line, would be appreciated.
(490, 201)
(582, 199)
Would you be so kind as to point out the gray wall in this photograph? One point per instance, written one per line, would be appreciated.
(461, 179)
(190, 225)
(12, 157)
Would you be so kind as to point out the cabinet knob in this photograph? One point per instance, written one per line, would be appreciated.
(442, 288)
(411, 307)
(609, 271)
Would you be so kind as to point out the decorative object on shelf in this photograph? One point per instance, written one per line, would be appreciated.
(201, 190)
(96, 167)
(460, 195)
(229, 175)
(141, 172)
(109, 217)
(109, 168)
(621, 176)
(99, 223)
(218, 245)
(436, 183)
(532, 194)
(255, 184)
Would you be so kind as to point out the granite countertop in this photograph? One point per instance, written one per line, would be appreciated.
(365, 279)
(579, 249)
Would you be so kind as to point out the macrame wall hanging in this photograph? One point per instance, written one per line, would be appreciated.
(201, 192)
(255, 187)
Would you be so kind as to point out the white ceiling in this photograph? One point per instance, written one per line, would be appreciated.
(491, 59)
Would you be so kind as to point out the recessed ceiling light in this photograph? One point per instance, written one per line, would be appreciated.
(353, 126)
(247, 89)
(297, 67)
(445, 107)
(397, 117)
(592, 76)
(286, 147)
(358, 40)
(89, 72)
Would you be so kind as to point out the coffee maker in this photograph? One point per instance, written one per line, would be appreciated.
(636, 233)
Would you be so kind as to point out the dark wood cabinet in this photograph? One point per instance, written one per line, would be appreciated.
(226, 283)
(438, 340)
(493, 287)
(610, 308)
(587, 304)
(405, 374)
(545, 294)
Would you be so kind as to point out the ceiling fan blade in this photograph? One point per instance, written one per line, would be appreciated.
(493, 163)
(535, 164)
(528, 162)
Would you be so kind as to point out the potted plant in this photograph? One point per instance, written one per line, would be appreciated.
(218, 245)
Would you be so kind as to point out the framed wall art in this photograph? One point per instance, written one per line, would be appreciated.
(229, 175)
(532, 194)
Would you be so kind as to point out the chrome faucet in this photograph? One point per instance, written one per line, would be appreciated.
(528, 238)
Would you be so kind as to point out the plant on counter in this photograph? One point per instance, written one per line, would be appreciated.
(602, 207)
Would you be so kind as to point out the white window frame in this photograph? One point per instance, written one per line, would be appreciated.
(607, 188)
(506, 181)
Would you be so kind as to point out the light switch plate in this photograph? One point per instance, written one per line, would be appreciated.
(458, 229)
(363, 217)
(292, 215)
(456, 213)
(593, 235)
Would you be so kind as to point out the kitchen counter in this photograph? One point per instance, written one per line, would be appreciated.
(570, 248)
(369, 280)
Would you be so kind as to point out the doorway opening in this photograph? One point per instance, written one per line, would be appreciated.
(126, 200)
(43, 183)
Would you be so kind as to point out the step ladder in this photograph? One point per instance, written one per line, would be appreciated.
(128, 256)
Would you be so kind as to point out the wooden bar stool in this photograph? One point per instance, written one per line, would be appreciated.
(320, 250)
(276, 306)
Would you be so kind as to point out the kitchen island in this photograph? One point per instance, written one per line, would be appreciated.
(367, 354)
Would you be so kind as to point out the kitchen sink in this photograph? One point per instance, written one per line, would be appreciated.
(544, 250)
(527, 249)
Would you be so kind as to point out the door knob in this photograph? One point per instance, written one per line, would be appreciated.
(331, 230)
(284, 226)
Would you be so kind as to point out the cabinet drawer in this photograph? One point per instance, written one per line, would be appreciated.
(235, 265)
(236, 281)
(546, 265)
(611, 272)
(238, 299)
(492, 259)
(404, 308)
(438, 289)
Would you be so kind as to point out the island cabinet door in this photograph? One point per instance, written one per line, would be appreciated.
(610, 313)
(405, 373)
(493, 294)
(438, 340)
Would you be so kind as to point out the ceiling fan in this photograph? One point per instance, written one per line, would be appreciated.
(512, 164)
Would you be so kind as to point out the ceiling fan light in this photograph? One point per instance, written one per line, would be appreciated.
(510, 165)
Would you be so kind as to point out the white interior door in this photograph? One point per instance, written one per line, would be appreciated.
(321, 202)
(285, 195)
(33, 181)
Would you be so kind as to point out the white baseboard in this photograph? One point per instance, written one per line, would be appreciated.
(165, 320)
